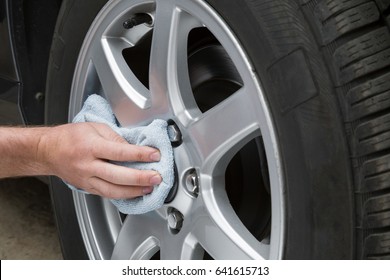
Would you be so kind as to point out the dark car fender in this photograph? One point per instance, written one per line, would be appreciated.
(26, 31)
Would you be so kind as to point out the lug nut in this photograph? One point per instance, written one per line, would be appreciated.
(192, 182)
(174, 134)
(137, 19)
(175, 220)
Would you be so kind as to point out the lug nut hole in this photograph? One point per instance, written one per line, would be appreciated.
(175, 220)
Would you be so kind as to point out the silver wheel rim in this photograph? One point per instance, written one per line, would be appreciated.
(210, 223)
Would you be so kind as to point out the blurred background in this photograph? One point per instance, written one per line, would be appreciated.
(27, 226)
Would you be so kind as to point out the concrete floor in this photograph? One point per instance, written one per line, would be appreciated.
(27, 229)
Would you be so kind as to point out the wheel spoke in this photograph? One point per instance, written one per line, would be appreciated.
(181, 246)
(191, 250)
(221, 233)
(223, 130)
(128, 96)
(171, 250)
(168, 64)
(139, 237)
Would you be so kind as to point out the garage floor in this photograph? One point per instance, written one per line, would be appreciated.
(27, 229)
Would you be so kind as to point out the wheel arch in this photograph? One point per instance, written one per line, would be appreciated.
(31, 31)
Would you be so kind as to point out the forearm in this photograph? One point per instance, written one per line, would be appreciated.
(81, 155)
(20, 152)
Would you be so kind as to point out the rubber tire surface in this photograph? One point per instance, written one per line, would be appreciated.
(73, 22)
(324, 68)
(312, 140)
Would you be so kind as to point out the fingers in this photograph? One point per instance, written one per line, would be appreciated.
(121, 175)
(114, 191)
(114, 147)
(126, 152)
(99, 145)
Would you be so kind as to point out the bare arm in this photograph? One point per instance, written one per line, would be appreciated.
(79, 154)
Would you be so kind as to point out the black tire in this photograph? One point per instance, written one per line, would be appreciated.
(73, 22)
(324, 67)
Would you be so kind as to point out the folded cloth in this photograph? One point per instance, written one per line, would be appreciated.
(97, 109)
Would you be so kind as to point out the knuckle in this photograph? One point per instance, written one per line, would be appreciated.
(121, 155)
(138, 178)
(139, 156)
(138, 192)
(141, 178)
(117, 138)
(117, 153)
(93, 149)
(108, 174)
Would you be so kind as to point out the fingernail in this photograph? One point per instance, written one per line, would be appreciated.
(155, 180)
(155, 156)
(147, 190)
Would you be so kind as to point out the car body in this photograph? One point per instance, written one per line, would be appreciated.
(26, 32)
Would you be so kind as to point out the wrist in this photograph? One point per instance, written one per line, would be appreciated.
(23, 152)
(40, 137)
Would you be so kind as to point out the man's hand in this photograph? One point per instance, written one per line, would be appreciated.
(79, 154)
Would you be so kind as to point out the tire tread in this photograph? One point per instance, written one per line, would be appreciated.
(355, 36)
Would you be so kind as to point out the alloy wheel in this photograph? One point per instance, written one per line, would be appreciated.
(182, 63)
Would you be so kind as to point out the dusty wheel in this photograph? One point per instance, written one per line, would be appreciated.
(264, 166)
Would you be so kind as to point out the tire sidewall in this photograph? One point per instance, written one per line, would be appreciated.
(311, 137)
(74, 20)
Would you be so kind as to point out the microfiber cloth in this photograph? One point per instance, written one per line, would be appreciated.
(97, 109)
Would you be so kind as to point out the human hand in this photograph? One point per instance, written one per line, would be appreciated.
(80, 154)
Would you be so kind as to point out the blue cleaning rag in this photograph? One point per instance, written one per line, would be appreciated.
(97, 109)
